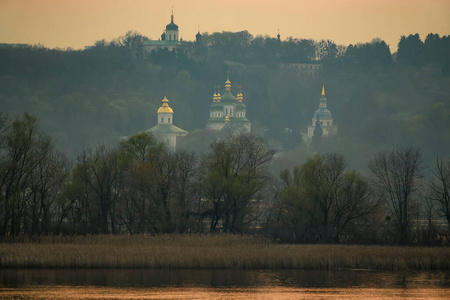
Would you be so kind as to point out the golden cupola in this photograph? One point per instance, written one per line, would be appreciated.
(165, 108)
(215, 96)
(228, 84)
(239, 96)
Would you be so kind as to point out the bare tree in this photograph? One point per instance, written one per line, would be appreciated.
(186, 191)
(440, 191)
(45, 189)
(322, 199)
(24, 148)
(100, 172)
(133, 41)
(398, 174)
(235, 175)
(149, 185)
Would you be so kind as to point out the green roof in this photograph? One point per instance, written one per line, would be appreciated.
(228, 98)
(166, 128)
(240, 106)
(216, 106)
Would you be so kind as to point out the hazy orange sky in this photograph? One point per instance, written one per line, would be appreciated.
(79, 23)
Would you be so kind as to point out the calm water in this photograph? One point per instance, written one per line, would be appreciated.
(222, 284)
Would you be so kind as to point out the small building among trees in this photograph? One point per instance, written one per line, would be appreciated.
(322, 121)
(170, 39)
(165, 131)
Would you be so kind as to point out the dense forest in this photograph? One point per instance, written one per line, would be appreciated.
(378, 100)
(75, 162)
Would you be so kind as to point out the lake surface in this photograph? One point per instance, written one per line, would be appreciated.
(221, 284)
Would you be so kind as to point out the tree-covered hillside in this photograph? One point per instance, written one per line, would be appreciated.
(111, 90)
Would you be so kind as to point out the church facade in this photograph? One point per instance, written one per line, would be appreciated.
(322, 121)
(228, 110)
(165, 131)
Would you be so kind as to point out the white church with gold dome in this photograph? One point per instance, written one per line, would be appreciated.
(322, 120)
(165, 131)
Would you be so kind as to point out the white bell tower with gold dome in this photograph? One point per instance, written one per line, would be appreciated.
(165, 113)
(324, 117)
(165, 131)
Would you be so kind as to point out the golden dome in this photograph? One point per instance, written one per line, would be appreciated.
(165, 108)
(239, 96)
(227, 119)
(228, 84)
(216, 96)
(323, 90)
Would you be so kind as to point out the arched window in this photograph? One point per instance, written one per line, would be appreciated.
(168, 120)
(162, 120)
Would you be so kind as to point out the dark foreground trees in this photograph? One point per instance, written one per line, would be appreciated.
(236, 175)
(440, 192)
(139, 186)
(398, 174)
(31, 176)
(322, 201)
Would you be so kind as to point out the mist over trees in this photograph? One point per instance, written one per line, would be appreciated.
(378, 99)
(85, 168)
(138, 186)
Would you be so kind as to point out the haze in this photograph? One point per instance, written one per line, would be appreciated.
(75, 24)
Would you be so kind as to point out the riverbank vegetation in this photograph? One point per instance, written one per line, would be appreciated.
(211, 251)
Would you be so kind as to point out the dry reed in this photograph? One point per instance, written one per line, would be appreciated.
(212, 252)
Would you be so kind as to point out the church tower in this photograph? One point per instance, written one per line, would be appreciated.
(322, 117)
(165, 131)
(165, 113)
(171, 33)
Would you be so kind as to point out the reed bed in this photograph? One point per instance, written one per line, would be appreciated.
(211, 252)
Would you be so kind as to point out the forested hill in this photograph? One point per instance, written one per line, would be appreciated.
(112, 90)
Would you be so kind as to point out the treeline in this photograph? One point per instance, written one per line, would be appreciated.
(138, 186)
(378, 99)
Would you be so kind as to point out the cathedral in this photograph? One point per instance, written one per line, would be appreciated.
(322, 121)
(227, 110)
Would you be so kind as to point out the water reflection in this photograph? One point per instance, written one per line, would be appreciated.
(223, 278)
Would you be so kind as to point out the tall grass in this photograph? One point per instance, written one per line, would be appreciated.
(211, 251)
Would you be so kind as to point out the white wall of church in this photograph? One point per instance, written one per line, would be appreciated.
(165, 118)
